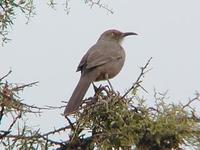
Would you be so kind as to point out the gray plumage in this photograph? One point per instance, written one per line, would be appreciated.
(104, 59)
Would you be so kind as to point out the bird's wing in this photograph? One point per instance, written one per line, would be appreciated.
(101, 60)
(96, 56)
(82, 63)
(100, 56)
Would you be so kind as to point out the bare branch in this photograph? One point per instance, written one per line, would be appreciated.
(136, 84)
(5, 75)
(19, 88)
(14, 121)
(98, 3)
(192, 100)
(56, 131)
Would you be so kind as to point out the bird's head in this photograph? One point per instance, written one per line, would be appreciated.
(115, 35)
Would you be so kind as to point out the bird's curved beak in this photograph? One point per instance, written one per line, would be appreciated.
(128, 33)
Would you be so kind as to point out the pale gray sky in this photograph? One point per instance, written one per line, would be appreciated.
(50, 47)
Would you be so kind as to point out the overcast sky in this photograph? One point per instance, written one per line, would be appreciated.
(50, 47)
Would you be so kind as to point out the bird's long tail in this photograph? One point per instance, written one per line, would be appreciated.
(78, 94)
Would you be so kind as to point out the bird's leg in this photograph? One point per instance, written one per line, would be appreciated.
(106, 76)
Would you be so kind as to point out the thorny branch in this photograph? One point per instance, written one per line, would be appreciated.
(138, 82)
(110, 118)
(53, 107)
(57, 130)
(5, 75)
(20, 88)
(10, 103)
(93, 3)
(10, 98)
(197, 97)
(38, 135)
(2, 112)
(14, 121)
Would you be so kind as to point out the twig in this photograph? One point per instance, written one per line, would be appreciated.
(191, 100)
(92, 3)
(138, 81)
(51, 141)
(18, 88)
(34, 107)
(53, 107)
(14, 121)
(56, 130)
(70, 123)
(2, 111)
(5, 75)
(37, 135)
(4, 134)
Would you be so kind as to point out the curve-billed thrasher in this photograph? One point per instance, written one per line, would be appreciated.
(102, 61)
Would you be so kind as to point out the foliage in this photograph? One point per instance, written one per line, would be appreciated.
(16, 134)
(9, 11)
(117, 122)
(108, 120)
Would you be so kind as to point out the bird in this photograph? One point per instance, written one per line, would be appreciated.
(103, 61)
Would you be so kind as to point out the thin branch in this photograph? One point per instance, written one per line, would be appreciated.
(53, 107)
(191, 100)
(2, 112)
(5, 75)
(14, 121)
(4, 134)
(136, 84)
(37, 135)
(97, 3)
(56, 131)
(70, 123)
(19, 88)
